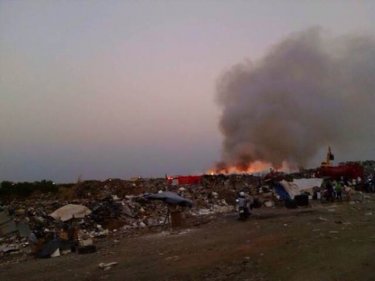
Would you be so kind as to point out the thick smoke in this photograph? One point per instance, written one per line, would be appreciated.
(308, 92)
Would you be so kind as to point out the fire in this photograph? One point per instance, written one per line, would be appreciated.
(255, 167)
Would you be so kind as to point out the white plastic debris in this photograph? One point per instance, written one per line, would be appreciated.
(107, 266)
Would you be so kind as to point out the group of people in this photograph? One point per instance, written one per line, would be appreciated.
(335, 189)
(332, 190)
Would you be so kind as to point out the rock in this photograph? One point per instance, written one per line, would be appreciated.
(86, 242)
(173, 258)
(203, 212)
(269, 204)
(20, 212)
(127, 211)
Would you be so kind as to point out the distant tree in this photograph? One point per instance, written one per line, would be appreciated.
(5, 188)
(46, 186)
(24, 189)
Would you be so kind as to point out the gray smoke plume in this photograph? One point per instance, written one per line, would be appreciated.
(310, 91)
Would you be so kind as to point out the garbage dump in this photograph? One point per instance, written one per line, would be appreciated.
(76, 217)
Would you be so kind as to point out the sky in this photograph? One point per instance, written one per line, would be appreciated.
(116, 89)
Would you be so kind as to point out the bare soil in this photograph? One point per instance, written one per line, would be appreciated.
(333, 241)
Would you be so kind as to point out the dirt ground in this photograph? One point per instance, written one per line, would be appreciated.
(333, 241)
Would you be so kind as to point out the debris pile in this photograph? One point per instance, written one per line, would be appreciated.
(71, 220)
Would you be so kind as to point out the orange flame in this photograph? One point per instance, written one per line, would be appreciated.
(255, 167)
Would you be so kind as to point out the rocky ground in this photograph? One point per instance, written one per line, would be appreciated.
(332, 241)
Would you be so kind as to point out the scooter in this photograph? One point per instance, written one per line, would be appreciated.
(243, 213)
(243, 209)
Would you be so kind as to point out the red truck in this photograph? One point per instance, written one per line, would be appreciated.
(346, 171)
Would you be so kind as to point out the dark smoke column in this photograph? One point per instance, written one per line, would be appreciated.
(308, 92)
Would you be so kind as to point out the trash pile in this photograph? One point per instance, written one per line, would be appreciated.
(50, 227)
(73, 219)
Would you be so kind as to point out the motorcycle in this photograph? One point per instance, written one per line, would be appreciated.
(243, 213)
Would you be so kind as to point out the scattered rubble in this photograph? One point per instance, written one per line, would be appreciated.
(73, 219)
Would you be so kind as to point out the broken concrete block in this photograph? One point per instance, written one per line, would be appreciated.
(86, 242)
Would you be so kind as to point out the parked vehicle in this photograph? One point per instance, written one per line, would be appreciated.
(243, 206)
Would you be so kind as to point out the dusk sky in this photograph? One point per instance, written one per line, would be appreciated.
(100, 89)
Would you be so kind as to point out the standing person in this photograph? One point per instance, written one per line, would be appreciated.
(243, 205)
(370, 184)
(329, 191)
(367, 184)
(338, 189)
(348, 193)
